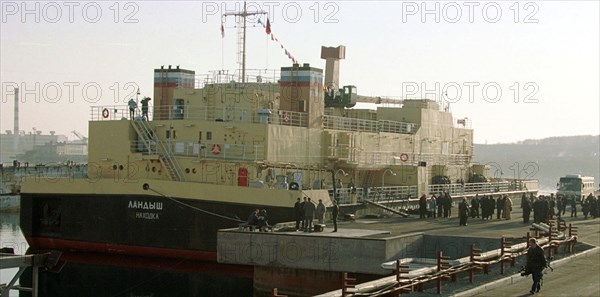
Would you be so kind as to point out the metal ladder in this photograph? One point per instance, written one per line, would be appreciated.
(157, 146)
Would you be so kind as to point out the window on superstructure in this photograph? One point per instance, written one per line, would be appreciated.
(208, 135)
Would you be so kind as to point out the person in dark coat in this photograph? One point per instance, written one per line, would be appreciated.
(573, 206)
(545, 210)
(145, 108)
(335, 210)
(593, 206)
(585, 207)
(253, 218)
(423, 207)
(538, 206)
(536, 262)
(526, 205)
(440, 205)
(302, 227)
(309, 213)
(298, 212)
(499, 207)
(262, 220)
(463, 212)
(449, 202)
(559, 206)
(475, 206)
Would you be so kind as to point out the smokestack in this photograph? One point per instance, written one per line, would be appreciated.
(16, 115)
(332, 57)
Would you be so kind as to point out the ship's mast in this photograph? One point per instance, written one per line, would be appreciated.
(243, 15)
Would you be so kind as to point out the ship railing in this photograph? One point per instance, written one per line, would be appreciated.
(227, 76)
(396, 158)
(361, 125)
(470, 188)
(204, 150)
(376, 194)
(440, 159)
(203, 113)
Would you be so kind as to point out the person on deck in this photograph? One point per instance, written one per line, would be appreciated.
(132, 106)
(145, 108)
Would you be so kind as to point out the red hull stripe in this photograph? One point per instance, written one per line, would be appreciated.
(61, 244)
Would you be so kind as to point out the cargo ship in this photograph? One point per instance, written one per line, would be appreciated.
(161, 181)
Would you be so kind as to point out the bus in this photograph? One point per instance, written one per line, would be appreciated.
(575, 185)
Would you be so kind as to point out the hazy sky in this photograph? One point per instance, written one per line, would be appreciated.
(518, 70)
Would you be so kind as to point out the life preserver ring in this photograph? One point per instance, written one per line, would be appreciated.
(294, 186)
(105, 113)
(215, 149)
(403, 157)
(286, 117)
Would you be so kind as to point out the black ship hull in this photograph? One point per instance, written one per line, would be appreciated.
(134, 224)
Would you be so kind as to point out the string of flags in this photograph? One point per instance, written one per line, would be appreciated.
(267, 27)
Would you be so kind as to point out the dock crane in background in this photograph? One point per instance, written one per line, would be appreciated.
(80, 136)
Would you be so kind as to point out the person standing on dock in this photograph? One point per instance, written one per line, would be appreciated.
(433, 205)
(536, 262)
(463, 212)
(334, 214)
(573, 206)
(320, 212)
(309, 213)
(499, 207)
(298, 212)
(526, 205)
(302, 213)
(507, 207)
(440, 204)
(423, 207)
(475, 206)
(593, 205)
(585, 207)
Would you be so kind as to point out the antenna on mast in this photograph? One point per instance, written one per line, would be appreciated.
(242, 35)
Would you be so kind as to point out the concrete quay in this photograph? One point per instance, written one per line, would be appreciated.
(319, 259)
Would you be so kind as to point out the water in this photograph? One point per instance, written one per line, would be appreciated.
(11, 237)
(85, 274)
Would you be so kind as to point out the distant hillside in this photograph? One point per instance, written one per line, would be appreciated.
(544, 159)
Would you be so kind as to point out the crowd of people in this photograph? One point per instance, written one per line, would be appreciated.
(543, 207)
(306, 212)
